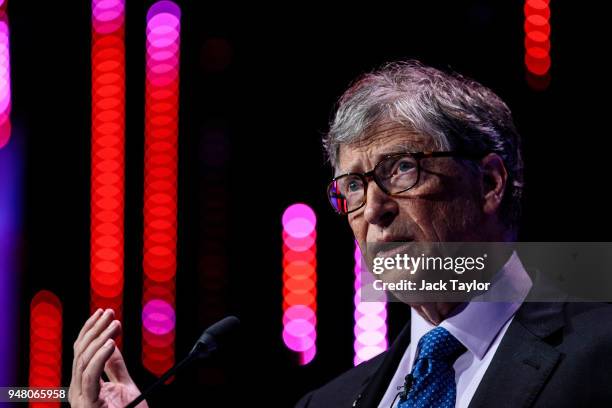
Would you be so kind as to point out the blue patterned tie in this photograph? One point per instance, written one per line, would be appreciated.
(433, 376)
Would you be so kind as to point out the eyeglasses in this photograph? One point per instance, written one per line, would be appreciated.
(394, 174)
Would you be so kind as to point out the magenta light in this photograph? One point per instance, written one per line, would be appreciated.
(158, 317)
(300, 244)
(5, 81)
(299, 281)
(370, 321)
(371, 338)
(367, 352)
(163, 37)
(308, 355)
(165, 54)
(161, 139)
(300, 312)
(299, 220)
(107, 15)
(161, 40)
(162, 8)
(299, 335)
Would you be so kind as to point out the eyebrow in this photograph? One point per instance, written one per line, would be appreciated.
(391, 150)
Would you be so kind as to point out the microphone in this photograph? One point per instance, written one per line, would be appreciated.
(405, 389)
(214, 337)
(209, 343)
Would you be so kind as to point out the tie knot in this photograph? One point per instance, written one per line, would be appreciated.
(439, 344)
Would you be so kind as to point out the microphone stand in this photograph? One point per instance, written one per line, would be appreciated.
(207, 345)
(184, 362)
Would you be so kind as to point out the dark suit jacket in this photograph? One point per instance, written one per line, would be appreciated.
(552, 355)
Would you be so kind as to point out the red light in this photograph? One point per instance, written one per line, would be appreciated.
(160, 186)
(299, 281)
(107, 155)
(537, 43)
(45, 343)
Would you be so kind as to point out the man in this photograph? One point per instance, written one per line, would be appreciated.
(425, 156)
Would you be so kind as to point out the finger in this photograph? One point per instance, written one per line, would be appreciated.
(75, 387)
(116, 369)
(89, 323)
(112, 331)
(85, 357)
(97, 328)
(96, 325)
(91, 376)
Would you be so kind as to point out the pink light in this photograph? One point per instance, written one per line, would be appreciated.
(5, 79)
(299, 281)
(161, 184)
(300, 312)
(162, 9)
(370, 321)
(371, 338)
(299, 335)
(367, 352)
(158, 317)
(301, 244)
(299, 220)
(307, 356)
(107, 15)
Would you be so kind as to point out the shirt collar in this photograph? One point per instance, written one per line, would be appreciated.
(477, 323)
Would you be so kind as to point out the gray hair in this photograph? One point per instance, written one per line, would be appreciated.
(457, 112)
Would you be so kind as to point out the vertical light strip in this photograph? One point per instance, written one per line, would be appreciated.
(11, 240)
(160, 189)
(45, 343)
(300, 281)
(5, 78)
(537, 43)
(107, 155)
(10, 214)
(370, 321)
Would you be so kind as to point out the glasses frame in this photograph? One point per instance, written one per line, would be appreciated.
(371, 175)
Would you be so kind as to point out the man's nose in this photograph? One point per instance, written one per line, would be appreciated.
(380, 208)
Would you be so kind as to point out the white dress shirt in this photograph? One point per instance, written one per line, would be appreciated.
(480, 326)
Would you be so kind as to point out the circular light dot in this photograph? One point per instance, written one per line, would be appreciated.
(158, 317)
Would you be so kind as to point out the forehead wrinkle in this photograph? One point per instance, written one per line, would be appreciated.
(406, 143)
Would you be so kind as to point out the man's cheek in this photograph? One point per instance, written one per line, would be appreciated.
(359, 231)
(433, 221)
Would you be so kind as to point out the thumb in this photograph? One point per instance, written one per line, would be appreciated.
(116, 370)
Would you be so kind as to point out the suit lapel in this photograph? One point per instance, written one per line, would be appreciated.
(519, 369)
(381, 378)
(524, 361)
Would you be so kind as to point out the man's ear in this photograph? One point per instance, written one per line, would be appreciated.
(494, 181)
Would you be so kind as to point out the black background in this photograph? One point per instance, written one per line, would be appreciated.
(258, 86)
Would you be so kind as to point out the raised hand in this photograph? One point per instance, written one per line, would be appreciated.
(94, 352)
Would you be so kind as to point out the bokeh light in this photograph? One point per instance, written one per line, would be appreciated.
(160, 189)
(45, 343)
(537, 43)
(370, 321)
(5, 78)
(107, 156)
(299, 281)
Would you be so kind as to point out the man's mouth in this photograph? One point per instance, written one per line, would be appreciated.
(387, 249)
